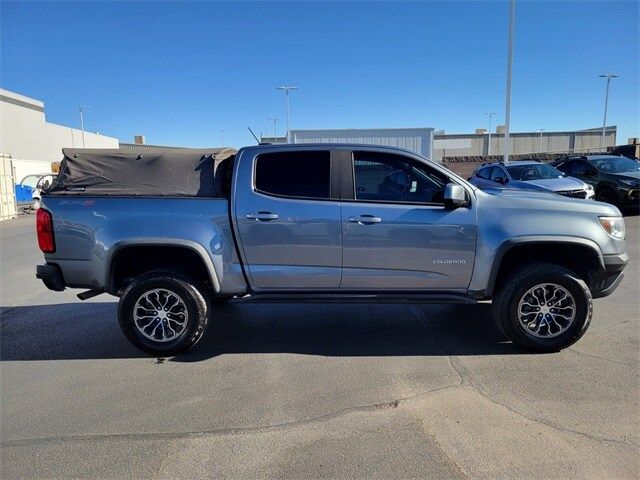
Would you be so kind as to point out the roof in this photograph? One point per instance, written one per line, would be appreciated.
(329, 146)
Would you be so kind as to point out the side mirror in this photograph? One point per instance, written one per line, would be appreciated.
(502, 180)
(455, 196)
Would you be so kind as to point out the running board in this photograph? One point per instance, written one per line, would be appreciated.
(90, 294)
(354, 298)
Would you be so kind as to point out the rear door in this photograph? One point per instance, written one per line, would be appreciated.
(288, 219)
(397, 235)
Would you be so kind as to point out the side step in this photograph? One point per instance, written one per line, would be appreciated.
(355, 298)
(90, 294)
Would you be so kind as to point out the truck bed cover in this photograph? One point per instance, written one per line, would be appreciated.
(149, 172)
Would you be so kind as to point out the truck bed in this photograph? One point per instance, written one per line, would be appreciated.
(91, 231)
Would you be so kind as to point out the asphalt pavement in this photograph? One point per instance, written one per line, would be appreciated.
(310, 391)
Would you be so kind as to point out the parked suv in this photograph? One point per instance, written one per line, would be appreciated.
(530, 175)
(616, 179)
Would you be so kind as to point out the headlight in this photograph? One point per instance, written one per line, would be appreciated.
(589, 187)
(614, 226)
(631, 182)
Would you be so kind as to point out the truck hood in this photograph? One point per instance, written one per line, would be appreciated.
(553, 184)
(529, 200)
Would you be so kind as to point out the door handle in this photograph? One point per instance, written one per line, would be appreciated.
(365, 219)
(262, 216)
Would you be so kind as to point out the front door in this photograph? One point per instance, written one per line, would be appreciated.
(397, 234)
(288, 222)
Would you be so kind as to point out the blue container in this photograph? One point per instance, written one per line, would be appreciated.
(23, 193)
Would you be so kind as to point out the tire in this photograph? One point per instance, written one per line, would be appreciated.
(520, 295)
(185, 313)
(606, 195)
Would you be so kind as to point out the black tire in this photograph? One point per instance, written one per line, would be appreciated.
(506, 304)
(195, 304)
(607, 195)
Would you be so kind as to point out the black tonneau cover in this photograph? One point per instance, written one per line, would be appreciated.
(151, 172)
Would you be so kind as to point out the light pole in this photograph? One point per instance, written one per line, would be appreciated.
(507, 108)
(286, 89)
(491, 115)
(541, 130)
(275, 122)
(608, 76)
(81, 108)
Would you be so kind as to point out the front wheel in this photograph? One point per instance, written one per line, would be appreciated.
(543, 307)
(606, 195)
(162, 314)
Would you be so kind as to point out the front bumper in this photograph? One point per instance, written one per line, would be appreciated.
(51, 276)
(608, 279)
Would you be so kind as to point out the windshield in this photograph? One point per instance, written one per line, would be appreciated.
(30, 180)
(615, 164)
(535, 171)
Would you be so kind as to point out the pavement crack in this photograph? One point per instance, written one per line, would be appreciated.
(596, 357)
(463, 373)
(454, 361)
(553, 425)
(223, 431)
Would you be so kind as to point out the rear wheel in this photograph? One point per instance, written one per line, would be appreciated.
(543, 307)
(162, 314)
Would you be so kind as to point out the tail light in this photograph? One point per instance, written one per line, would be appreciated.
(44, 226)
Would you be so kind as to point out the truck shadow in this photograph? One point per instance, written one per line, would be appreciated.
(73, 331)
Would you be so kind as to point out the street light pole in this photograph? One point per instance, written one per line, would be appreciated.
(81, 108)
(541, 130)
(491, 115)
(608, 76)
(275, 121)
(286, 89)
(507, 109)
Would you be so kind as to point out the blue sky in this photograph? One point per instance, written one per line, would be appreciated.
(180, 72)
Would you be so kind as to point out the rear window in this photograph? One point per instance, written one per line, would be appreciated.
(294, 174)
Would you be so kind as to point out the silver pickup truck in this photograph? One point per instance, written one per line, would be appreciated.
(174, 233)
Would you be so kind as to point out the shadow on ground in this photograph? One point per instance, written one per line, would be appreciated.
(90, 331)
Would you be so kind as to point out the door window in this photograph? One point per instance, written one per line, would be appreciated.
(581, 167)
(484, 173)
(497, 173)
(564, 167)
(294, 174)
(395, 178)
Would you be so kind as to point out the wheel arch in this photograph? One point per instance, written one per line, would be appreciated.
(178, 244)
(579, 254)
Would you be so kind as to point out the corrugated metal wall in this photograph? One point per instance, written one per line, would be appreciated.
(418, 140)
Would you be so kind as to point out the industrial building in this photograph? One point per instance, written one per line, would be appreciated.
(418, 140)
(438, 145)
(29, 144)
(448, 145)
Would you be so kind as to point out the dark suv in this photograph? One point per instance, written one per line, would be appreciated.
(615, 179)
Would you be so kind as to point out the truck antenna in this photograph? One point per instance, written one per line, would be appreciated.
(254, 135)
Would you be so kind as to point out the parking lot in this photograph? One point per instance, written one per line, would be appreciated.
(289, 391)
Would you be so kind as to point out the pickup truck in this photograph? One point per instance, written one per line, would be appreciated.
(172, 234)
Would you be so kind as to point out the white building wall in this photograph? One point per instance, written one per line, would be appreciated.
(31, 141)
